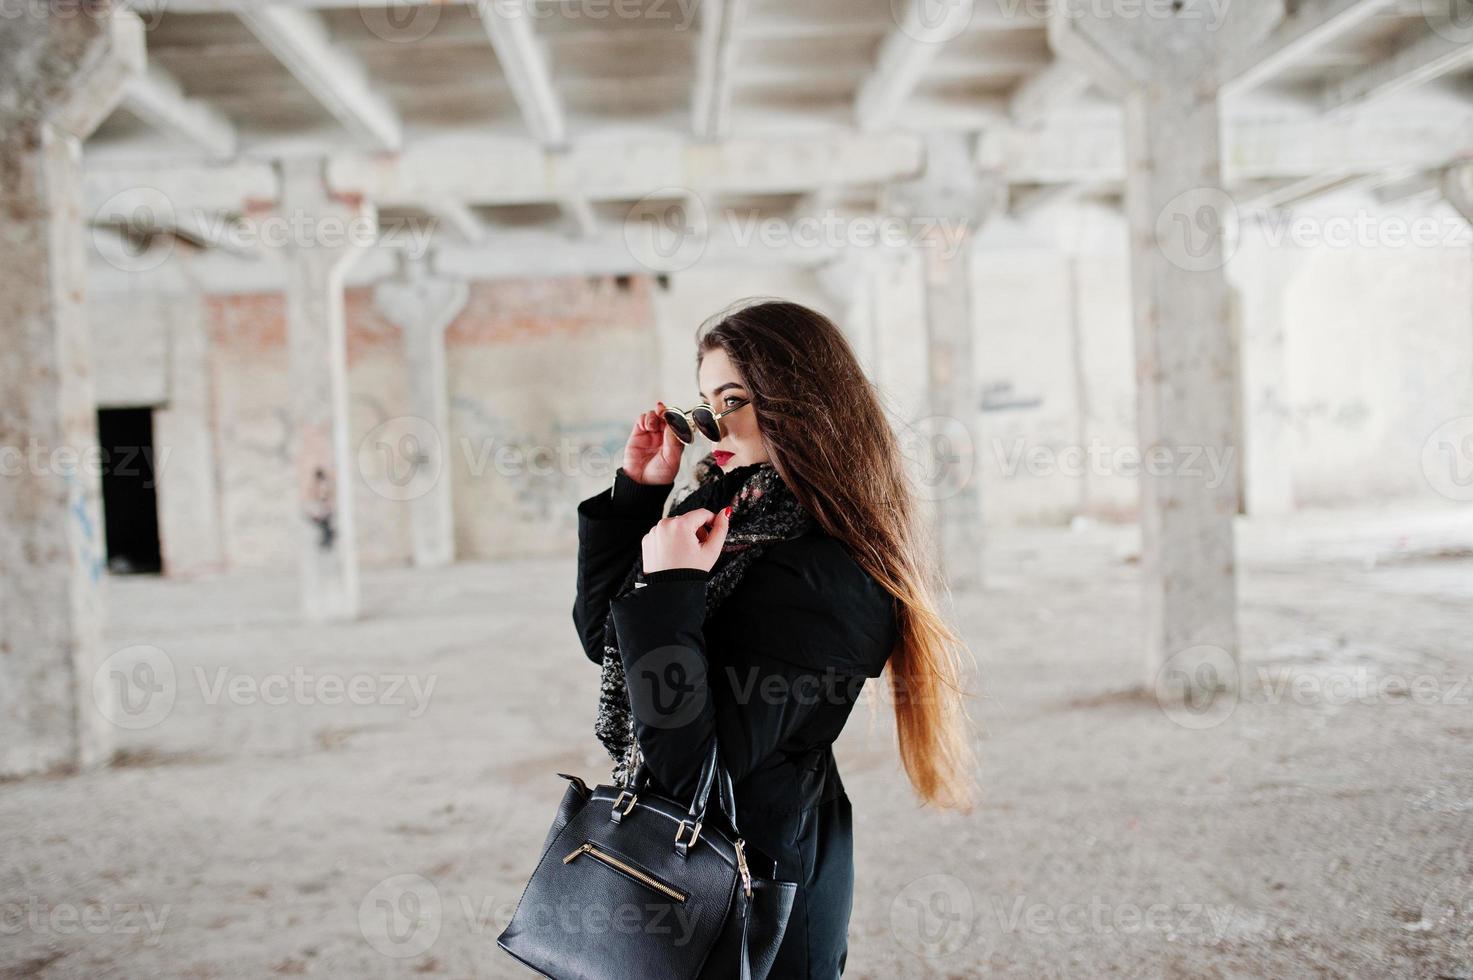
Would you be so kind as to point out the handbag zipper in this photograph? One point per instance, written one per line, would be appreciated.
(588, 848)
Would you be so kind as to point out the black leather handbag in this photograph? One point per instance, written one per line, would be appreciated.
(634, 884)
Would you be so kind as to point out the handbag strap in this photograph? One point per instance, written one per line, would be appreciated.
(713, 773)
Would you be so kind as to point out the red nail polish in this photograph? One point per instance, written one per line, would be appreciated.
(728, 512)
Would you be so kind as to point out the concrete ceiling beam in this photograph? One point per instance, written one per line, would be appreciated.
(335, 77)
(156, 98)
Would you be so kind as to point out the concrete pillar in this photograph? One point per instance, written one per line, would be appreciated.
(955, 411)
(1261, 278)
(64, 72)
(881, 294)
(1457, 187)
(326, 234)
(422, 305)
(188, 492)
(901, 363)
(947, 206)
(1168, 65)
(848, 283)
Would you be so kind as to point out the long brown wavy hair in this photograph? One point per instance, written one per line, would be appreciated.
(829, 440)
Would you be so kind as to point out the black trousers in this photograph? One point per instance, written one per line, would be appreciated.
(821, 859)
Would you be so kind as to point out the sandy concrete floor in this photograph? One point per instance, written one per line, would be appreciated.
(260, 823)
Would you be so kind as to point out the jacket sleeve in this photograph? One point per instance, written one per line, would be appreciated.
(611, 524)
(764, 698)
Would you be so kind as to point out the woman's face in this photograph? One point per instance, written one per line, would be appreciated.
(722, 388)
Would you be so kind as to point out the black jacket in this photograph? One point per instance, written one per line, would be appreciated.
(784, 658)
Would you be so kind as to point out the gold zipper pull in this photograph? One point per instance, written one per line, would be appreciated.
(741, 856)
(583, 848)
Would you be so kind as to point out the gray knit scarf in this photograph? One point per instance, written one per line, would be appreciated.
(763, 511)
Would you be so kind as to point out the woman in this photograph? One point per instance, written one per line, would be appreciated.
(755, 612)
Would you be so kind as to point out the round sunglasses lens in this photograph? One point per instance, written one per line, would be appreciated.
(681, 427)
(706, 422)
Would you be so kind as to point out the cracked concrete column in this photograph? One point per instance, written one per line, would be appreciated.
(63, 74)
(325, 233)
(423, 305)
(945, 208)
(1168, 66)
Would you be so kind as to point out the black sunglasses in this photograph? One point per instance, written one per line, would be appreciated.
(702, 418)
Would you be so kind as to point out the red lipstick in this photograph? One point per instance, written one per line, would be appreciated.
(722, 456)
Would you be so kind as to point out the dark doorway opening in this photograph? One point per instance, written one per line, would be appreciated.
(130, 508)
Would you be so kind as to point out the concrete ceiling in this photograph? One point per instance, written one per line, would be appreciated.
(234, 82)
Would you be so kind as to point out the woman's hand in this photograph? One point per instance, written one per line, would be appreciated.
(652, 454)
(684, 542)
